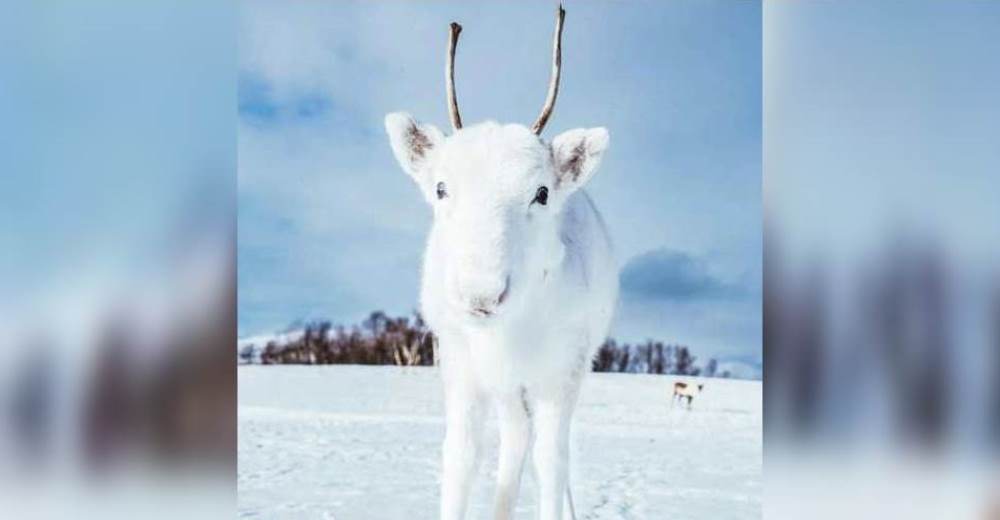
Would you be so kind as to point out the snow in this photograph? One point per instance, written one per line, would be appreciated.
(355, 442)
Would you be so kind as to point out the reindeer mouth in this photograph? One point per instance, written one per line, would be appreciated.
(481, 313)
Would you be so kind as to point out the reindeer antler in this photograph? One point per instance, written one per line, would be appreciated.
(550, 99)
(449, 73)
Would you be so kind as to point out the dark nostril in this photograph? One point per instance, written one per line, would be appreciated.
(483, 305)
(506, 289)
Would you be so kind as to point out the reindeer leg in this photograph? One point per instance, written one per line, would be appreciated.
(552, 417)
(570, 511)
(514, 414)
(460, 450)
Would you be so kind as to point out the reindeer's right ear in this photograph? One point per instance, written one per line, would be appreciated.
(412, 143)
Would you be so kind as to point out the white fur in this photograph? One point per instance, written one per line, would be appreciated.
(519, 294)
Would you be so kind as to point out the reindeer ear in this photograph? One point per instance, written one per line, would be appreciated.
(412, 143)
(577, 154)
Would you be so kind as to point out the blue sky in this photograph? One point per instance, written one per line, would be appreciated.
(883, 115)
(330, 227)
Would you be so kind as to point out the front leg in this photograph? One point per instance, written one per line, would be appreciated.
(514, 417)
(460, 450)
(551, 454)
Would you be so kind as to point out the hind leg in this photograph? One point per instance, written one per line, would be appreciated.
(569, 511)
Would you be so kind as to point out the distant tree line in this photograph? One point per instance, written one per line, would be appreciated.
(406, 341)
(652, 357)
(379, 340)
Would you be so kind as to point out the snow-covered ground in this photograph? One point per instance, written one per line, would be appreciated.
(352, 442)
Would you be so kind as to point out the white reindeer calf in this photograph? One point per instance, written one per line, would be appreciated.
(519, 285)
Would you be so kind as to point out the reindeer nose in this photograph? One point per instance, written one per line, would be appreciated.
(486, 298)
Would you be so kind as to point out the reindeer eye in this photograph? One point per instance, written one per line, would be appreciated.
(542, 196)
(441, 191)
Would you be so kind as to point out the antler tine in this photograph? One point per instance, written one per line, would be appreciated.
(449, 72)
(550, 99)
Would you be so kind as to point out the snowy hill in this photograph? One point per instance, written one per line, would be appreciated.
(364, 442)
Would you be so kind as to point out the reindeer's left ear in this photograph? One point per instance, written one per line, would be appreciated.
(577, 154)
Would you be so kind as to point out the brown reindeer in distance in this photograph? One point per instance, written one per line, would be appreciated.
(688, 390)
